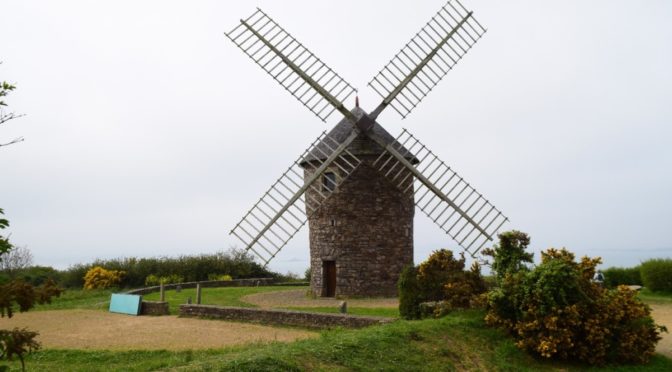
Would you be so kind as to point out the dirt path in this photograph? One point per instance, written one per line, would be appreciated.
(662, 314)
(298, 298)
(96, 330)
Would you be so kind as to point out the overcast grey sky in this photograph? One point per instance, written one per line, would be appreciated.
(149, 133)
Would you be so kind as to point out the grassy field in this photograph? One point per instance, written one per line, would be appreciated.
(100, 299)
(79, 299)
(657, 298)
(226, 296)
(460, 341)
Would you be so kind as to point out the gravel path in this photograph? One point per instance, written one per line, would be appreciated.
(662, 314)
(298, 298)
(98, 330)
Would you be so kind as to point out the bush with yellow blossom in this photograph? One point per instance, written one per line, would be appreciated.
(555, 310)
(100, 278)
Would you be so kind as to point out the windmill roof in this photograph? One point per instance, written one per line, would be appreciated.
(362, 145)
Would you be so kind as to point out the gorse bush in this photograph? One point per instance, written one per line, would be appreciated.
(556, 311)
(615, 276)
(156, 280)
(220, 277)
(441, 278)
(100, 278)
(236, 263)
(657, 274)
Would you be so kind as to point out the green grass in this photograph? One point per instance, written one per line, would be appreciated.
(392, 312)
(225, 296)
(97, 299)
(100, 299)
(460, 341)
(655, 297)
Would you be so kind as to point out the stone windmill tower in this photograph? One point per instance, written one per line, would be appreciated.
(357, 186)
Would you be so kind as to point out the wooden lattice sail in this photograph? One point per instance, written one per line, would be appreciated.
(445, 197)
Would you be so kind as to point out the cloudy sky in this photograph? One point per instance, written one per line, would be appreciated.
(149, 133)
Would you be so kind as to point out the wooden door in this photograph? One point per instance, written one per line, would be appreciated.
(329, 280)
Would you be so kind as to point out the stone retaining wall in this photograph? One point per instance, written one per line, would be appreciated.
(206, 284)
(281, 317)
(154, 308)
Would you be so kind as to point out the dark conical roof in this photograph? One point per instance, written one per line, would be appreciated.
(362, 145)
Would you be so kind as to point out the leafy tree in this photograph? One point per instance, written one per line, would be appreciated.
(5, 246)
(509, 256)
(5, 88)
(17, 293)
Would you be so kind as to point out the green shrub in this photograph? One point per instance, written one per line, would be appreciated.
(615, 276)
(409, 293)
(556, 311)
(657, 274)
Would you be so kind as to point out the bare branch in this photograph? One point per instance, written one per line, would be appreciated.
(7, 117)
(16, 140)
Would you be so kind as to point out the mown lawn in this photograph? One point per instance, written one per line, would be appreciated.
(97, 299)
(225, 296)
(460, 341)
(100, 299)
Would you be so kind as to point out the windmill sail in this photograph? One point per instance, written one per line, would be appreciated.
(292, 65)
(445, 197)
(282, 211)
(426, 58)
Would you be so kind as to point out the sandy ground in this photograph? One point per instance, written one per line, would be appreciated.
(662, 314)
(298, 298)
(97, 330)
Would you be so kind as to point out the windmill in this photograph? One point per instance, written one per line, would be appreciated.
(357, 186)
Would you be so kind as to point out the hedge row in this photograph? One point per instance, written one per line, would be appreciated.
(615, 276)
(654, 274)
(235, 263)
(657, 274)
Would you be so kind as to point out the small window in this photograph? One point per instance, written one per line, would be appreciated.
(329, 181)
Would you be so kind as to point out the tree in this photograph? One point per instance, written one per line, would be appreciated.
(17, 293)
(5, 88)
(16, 259)
(509, 256)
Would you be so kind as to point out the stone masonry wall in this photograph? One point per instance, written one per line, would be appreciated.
(154, 308)
(281, 317)
(366, 227)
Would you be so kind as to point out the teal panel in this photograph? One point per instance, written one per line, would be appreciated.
(125, 304)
